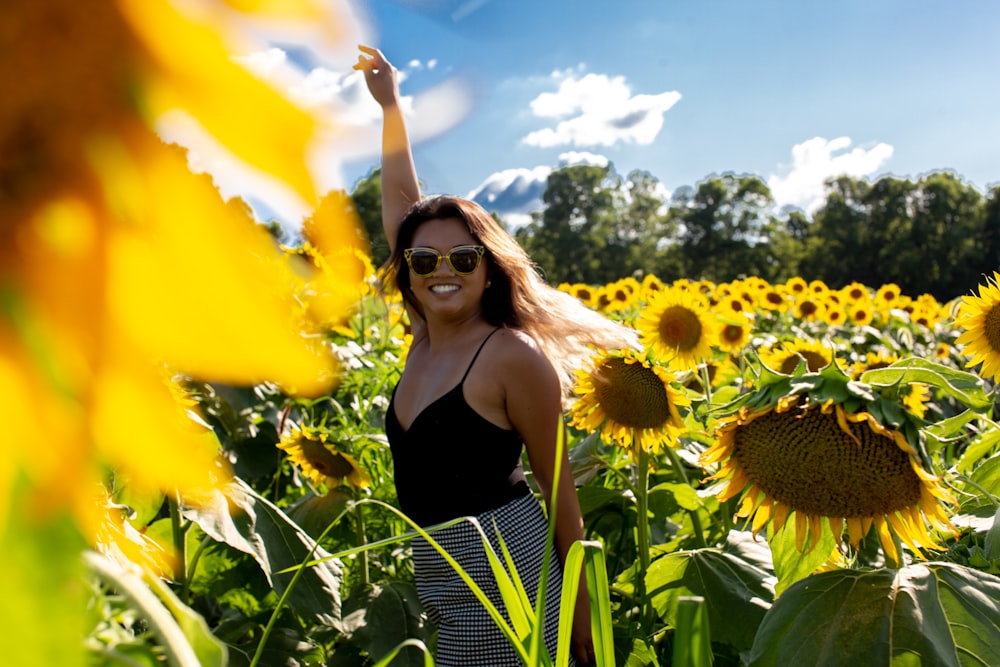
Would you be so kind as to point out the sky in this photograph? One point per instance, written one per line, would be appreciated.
(498, 93)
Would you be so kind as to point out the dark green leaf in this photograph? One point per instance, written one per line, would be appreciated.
(965, 387)
(927, 614)
(248, 522)
(738, 593)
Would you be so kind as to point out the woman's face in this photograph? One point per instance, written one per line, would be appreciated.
(445, 293)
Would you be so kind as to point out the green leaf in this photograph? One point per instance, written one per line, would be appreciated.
(391, 614)
(977, 449)
(738, 593)
(964, 387)
(169, 634)
(684, 495)
(208, 649)
(250, 523)
(790, 564)
(987, 476)
(928, 614)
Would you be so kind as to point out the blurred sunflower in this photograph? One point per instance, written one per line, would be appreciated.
(321, 461)
(650, 285)
(980, 317)
(733, 332)
(861, 312)
(678, 328)
(785, 356)
(808, 307)
(117, 261)
(772, 298)
(796, 286)
(855, 291)
(888, 296)
(816, 450)
(631, 401)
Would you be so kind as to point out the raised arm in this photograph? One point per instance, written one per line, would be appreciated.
(400, 189)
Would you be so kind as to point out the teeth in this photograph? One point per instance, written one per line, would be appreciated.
(444, 288)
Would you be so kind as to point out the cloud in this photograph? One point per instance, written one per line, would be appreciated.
(817, 160)
(515, 193)
(598, 110)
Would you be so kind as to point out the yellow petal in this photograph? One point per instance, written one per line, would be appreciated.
(243, 113)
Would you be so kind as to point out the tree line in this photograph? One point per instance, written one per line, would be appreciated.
(937, 235)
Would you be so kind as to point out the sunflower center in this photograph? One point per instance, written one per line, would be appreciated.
(680, 328)
(329, 463)
(991, 327)
(631, 394)
(731, 333)
(806, 461)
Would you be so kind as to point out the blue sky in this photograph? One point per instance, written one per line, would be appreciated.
(499, 92)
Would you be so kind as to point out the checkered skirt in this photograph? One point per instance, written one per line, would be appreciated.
(467, 636)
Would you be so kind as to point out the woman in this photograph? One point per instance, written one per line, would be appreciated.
(492, 358)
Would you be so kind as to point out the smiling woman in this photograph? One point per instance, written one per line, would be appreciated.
(492, 360)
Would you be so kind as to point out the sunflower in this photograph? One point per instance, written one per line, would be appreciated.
(733, 333)
(855, 292)
(980, 317)
(678, 328)
(320, 460)
(861, 312)
(820, 453)
(785, 356)
(631, 401)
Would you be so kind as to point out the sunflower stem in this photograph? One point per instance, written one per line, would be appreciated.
(642, 536)
(359, 528)
(678, 465)
(177, 531)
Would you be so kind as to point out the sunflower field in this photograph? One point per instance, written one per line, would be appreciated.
(197, 473)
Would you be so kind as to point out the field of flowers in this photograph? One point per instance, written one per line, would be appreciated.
(197, 471)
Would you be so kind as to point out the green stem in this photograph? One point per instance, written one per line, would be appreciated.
(642, 536)
(678, 465)
(359, 530)
(177, 531)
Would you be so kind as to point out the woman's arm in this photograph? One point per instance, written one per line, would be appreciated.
(400, 189)
(534, 407)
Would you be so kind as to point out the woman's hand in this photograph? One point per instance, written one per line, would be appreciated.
(380, 76)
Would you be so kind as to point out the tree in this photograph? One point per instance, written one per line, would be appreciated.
(568, 238)
(724, 226)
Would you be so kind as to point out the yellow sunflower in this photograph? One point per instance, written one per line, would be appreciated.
(678, 328)
(855, 292)
(811, 457)
(784, 356)
(980, 317)
(631, 401)
(320, 460)
(733, 332)
(861, 312)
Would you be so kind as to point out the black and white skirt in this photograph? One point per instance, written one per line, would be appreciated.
(467, 635)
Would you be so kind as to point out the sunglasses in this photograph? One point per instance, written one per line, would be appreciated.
(463, 259)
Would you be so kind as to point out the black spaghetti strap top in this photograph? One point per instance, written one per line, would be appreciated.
(452, 461)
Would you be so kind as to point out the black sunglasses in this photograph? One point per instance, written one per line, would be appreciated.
(463, 259)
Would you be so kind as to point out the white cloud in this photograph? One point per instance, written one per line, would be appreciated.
(598, 110)
(515, 193)
(571, 158)
(817, 160)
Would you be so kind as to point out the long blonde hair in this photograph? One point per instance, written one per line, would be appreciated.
(564, 328)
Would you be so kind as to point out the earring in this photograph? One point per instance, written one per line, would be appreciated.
(488, 283)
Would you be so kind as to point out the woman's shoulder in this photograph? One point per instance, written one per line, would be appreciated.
(517, 351)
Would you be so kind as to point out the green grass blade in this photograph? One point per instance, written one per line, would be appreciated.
(692, 640)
